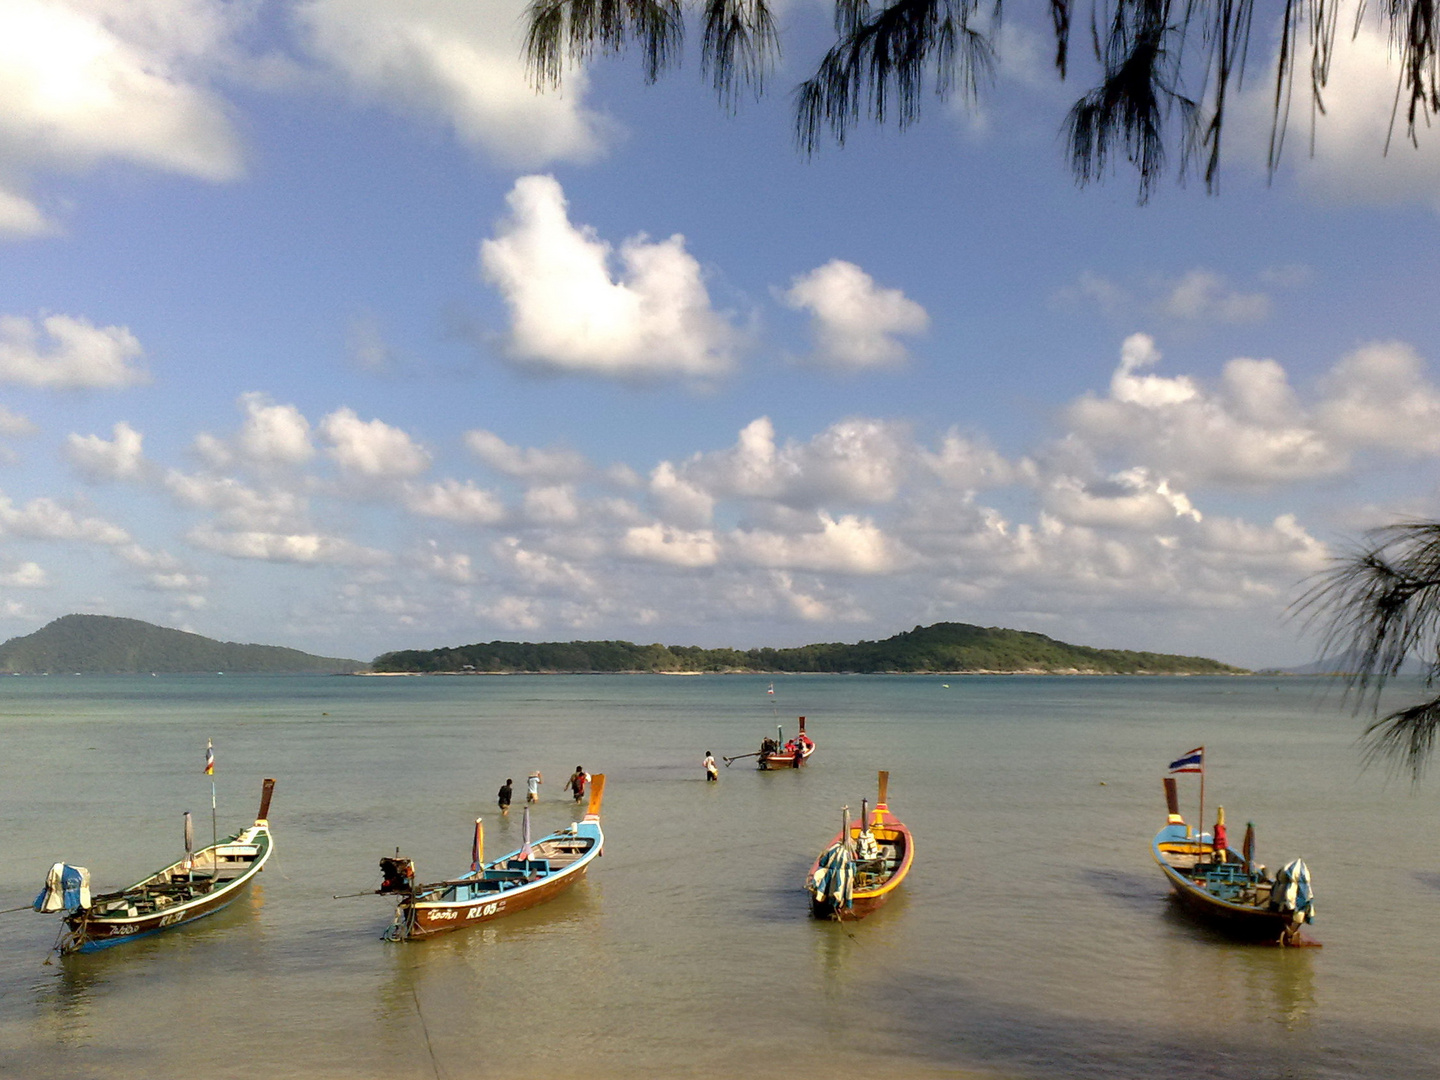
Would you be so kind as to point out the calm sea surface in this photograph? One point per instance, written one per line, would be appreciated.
(1032, 939)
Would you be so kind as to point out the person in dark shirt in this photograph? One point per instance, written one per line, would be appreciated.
(577, 782)
(504, 797)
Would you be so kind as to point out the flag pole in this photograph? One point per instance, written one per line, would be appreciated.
(1200, 828)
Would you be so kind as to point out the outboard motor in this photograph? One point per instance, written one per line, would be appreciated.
(397, 875)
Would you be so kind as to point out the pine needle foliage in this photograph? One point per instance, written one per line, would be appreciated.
(1165, 70)
(1379, 606)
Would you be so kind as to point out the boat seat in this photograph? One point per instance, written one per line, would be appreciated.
(529, 866)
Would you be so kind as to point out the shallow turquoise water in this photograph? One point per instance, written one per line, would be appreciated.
(1033, 938)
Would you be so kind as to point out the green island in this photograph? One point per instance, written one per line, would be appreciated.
(942, 648)
(109, 645)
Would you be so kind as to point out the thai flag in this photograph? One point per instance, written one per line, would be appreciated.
(1194, 761)
(209, 758)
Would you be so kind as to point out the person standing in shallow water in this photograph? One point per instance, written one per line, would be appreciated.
(577, 782)
(503, 799)
(711, 773)
(532, 786)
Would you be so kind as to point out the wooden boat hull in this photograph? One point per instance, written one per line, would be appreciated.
(495, 891)
(423, 920)
(1250, 920)
(784, 761)
(175, 895)
(895, 841)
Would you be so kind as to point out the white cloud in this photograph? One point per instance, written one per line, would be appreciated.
(15, 426)
(453, 566)
(372, 449)
(527, 463)
(513, 613)
(847, 545)
(46, 519)
(1205, 296)
(304, 548)
(27, 575)
(237, 505)
(1132, 499)
(680, 501)
(541, 570)
(452, 500)
(273, 434)
(98, 459)
(971, 464)
(686, 548)
(552, 505)
(854, 321)
(77, 354)
(569, 315)
(461, 63)
(857, 460)
(1379, 397)
(86, 82)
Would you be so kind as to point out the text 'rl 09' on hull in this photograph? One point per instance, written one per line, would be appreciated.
(532, 874)
(188, 889)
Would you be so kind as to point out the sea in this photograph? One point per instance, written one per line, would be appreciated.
(1033, 940)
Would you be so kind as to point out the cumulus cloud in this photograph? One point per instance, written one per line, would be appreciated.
(1205, 296)
(303, 548)
(680, 501)
(46, 519)
(855, 322)
(554, 464)
(454, 500)
(89, 82)
(541, 570)
(847, 545)
(459, 63)
(15, 425)
(569, 314)
(858, 460)
(687, 548)
(1379, 396)
(27, 575)
(236, 505)
(100, 459)
(64, 352)
(552, 505)
(372, 449)
(1132, 499)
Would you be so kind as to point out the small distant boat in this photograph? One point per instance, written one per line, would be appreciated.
(191, 888)
(527, 876)
(1229, 890)
(863, 865)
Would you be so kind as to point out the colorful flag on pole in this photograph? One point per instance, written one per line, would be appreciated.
(1194, 761)
(771, 691)
(209, 758)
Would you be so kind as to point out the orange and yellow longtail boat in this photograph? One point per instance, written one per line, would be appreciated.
(863, 865)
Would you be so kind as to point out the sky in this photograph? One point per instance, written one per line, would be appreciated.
(320, 327)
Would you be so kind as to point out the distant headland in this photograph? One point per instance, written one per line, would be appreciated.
(108, 645)
(944, 648)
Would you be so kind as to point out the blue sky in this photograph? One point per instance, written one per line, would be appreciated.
(318, 327)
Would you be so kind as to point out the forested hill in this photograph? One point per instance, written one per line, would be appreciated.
(103, 644)
(944, 647)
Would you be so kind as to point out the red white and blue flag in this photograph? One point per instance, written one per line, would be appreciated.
(771, 691)
(209, 758)
(1194, 761)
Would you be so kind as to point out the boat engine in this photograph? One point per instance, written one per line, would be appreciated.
(397, 875)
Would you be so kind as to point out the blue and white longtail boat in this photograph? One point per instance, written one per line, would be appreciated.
(525, 877)
(198, 885)
(1229, 890)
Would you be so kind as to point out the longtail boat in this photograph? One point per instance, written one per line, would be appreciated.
(530, 875)
(863, 865)
(198, 885)
(778, 753)
(1229, 890)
